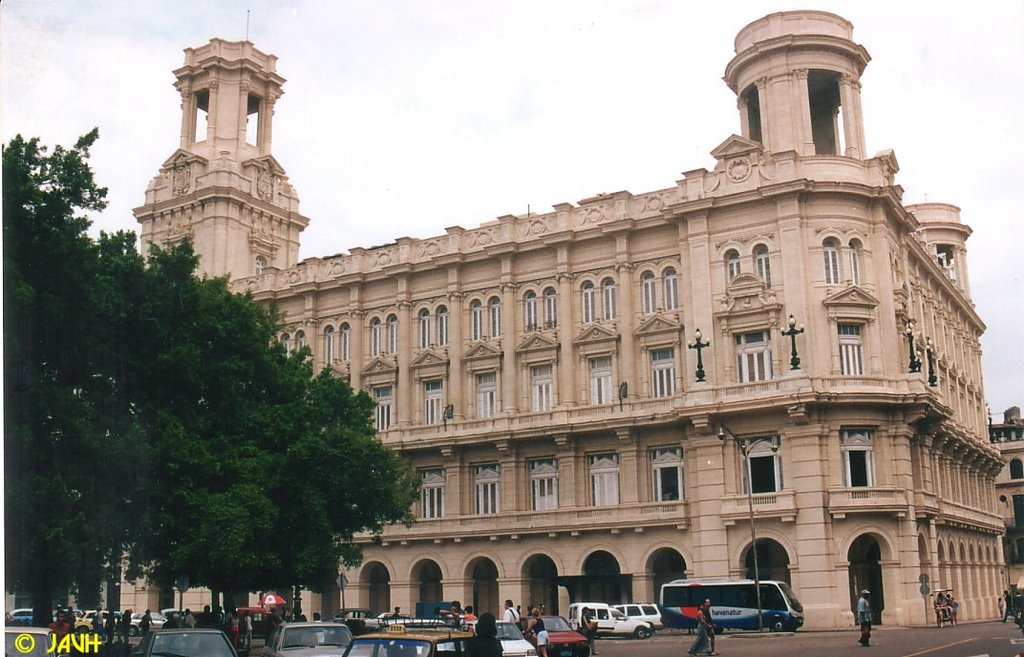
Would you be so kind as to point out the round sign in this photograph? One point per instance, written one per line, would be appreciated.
(923, 578)
(925, 589)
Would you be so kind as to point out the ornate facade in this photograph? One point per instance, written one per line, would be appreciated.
(543, 372)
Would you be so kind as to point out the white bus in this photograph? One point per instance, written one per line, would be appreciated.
(733, 604)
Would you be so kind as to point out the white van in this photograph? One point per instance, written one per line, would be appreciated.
(645, 611)
(610, 621)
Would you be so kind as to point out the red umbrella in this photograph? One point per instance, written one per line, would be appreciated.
(273, 600)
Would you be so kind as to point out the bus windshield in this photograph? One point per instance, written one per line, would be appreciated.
(788, 590)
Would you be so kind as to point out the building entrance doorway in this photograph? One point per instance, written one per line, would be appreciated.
(865, 558)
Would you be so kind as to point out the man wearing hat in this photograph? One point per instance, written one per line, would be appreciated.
(864, 618)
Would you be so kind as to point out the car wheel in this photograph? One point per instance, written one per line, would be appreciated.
(134, 631)
(642, 633)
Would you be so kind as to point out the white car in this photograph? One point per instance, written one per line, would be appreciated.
(513, 643)
(645, 611)
(157, 621)
(610, 622)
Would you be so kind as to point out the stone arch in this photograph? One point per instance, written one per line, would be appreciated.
(481, 575)
(427, 576)
(865, 556)
(663, 565)
(601, 578)
(924, 555)
(375, 579)
(772, 560)
(540, 572)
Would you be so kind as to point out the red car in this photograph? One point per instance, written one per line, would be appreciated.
(565, 641)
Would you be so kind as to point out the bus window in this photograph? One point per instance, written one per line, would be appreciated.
(771, 598)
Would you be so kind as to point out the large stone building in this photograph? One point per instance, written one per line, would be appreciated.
(539, 371)
(1008, 437)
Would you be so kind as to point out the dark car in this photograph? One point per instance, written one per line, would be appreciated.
(185, 643)
(564, 641)
(356, 620)
(308, 640)
(399, 641)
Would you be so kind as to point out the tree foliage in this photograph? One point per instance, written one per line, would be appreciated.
(158, 419)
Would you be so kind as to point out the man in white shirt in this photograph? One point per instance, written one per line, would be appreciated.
(511, 615)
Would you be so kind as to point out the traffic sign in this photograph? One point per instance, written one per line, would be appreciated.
(925, 589)
(923, 578)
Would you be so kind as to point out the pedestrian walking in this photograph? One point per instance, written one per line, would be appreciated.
(510, 615)
(702, 644)
(109, 626)
(1007, 605)
(589, 626)
(126, 624)
(864, 618)
(145, 622)
(246, 630)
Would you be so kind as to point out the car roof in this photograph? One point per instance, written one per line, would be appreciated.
(28, 630)
(186, 630)
(313, 624)
(417, 634)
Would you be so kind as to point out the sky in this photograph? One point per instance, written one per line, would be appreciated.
(404, 117)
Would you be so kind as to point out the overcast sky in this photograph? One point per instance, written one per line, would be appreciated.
(406, 117)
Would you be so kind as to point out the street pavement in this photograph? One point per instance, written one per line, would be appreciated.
(988, 639)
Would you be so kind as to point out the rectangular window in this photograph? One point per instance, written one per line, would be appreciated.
(765, 466)
(530, 311)
(858, 457)
(753, 357)
(393, 336)
(433, 398)
(609, 300)
(432, 493)
(647, 292)
(601, 380)
(486, 480)
(541, 380)
(667, 474)
(346, 344)
(663, 372)
(424, 331)
(831, 255)
(550, 309)
(604, 479)
(544, 484)
(329, 344)
(851, 361)
(486, 394)
(495, 313)
(587, 299)
(476, 321)
(384, 397)
(671, 290)
(442, 328)
(1018, 513)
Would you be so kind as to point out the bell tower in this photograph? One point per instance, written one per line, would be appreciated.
(222, 188)
(796, 76)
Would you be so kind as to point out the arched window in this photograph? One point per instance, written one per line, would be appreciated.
(258, 266)
(329, 344)
(476, 320)
(530, 310)
(286, 340)
(442, 326)
(346, 343)
(300, 340)
(424, 317)
(732, 264)
(830, 252)
(1016, 469)
(608, 296)
(764, 264)
(375, 336)
(392, 334)
(647, 293)
(550, 308)
(855, 261)
(671, 289)
(588, 303)
(494, 312)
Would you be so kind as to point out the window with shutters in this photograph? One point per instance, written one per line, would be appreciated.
(432, 493)
(663, 372)
(486, 394)
(753, 357)
(544, 484)
(601, 380)
(384, 396)
(487, 480)
(604, 479)
(858, 447)
(667, 473)
(851, 359)
(541, 381)
(433, 401)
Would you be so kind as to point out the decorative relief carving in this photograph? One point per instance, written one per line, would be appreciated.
(482, 237)
(337, 267)
(181, 179)
(431, 248)
(654, 204)
(767, 168)
(738, 169)
(265, 181)
(593, 216)
(711, 181)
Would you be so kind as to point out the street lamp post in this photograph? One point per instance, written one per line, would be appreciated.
(699, 346)
(745, 445)
(915, 362)
(794, 361)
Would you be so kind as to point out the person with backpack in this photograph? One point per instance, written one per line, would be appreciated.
(510, 615)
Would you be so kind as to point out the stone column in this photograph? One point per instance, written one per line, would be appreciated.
(629, 459)
(567, 497)
(455, 324)
(188, 116)
(798, 79)
(566, 390)
(509, 397)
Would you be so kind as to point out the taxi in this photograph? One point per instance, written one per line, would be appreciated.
(408, 640)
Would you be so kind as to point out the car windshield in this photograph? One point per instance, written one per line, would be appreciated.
(311, 637)
(190, 644)
(509, 632)
(389, 648)
(556, 624)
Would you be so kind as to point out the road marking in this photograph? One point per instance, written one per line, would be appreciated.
(948, 645)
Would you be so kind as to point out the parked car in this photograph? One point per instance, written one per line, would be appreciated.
(419, 642)
(22, 616)
(357, 620)
(563, 640)
(184, 643)
(156, 617)
(36, 646)
(91, 614)
(513, 643)
(308, 640)
(610, 622)
(645, 611)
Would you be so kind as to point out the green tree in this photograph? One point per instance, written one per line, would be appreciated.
(68, 484)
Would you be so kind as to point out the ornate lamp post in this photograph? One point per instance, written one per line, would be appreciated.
(744, 445)
(791, 333)
(915, 362)
(933, 378)
(699, 346)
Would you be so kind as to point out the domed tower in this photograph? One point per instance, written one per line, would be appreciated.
(222, 188)
(945, 236)
(796, 75)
